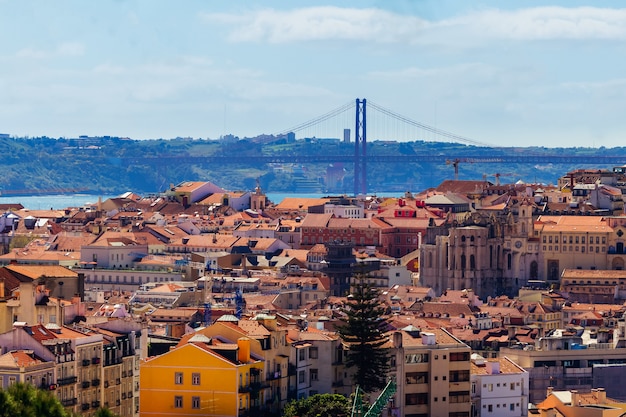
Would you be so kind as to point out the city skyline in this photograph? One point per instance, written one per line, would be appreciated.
(500, 73)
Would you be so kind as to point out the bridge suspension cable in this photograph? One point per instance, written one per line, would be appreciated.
(427, 128)
(320, 119)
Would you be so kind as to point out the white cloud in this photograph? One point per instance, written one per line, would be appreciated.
(71, 49)
(319, 23)
(30, 53)
(381, 26)
(64, 49)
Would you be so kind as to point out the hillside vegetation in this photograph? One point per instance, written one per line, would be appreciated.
(113, 165)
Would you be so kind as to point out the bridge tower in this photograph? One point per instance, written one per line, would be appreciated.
(360, 148)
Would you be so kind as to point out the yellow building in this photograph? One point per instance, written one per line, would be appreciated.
(202, 377)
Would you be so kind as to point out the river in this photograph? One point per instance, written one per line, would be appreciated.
(61, 201)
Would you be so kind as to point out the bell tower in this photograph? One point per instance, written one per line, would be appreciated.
(258, 199)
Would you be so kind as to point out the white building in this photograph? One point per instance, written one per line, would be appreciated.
(349, 211)
(499, 388)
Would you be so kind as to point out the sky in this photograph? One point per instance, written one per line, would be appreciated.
(503, 73)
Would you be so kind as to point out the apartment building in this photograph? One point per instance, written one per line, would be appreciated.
(499, 388)
(432, 370)
(203, 377)
(565, 359)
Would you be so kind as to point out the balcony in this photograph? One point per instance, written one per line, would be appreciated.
(86, 362)
(124, 374)
(273, 375)
(117, 403)
(244, 388)
(95, 361)
(84, 406)
(123, 396)
(85, 384)
(67, 380)
(337, 384)
(130, 394)
(95, 382)
(95, 404)
(68, 402)
(118, 381)
(106, 384)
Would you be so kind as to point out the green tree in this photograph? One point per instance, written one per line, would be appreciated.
(319, 405)
(104, 412)
(32, 402)
(363, 332)
(8, 408)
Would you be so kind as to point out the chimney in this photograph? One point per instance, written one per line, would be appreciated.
(550, 389)
(243, 351)
(397, 340)
(575, 398)
(601, 395)
(493, 368)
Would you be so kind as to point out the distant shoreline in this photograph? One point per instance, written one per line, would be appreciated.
(47, 192)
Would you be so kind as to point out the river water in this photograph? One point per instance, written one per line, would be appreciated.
(61, 201)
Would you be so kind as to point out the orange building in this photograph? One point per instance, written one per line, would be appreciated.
(202, 377)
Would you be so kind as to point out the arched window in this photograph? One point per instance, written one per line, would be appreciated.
(534, 270)
(472, 262)
(463, 261)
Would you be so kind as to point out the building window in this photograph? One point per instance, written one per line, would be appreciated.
(416, 378)
(178, 378)
(313, 352)
(195, 402)
(416, 358)
(459, 397)
(195, 378)
(301, 377)
(459, 356)
(178, 401)
(313, 374)
(415, 399)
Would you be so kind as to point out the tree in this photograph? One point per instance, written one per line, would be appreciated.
(8, 408)
(32, 402)
(104, 412)
(363, 332)
(319, 405)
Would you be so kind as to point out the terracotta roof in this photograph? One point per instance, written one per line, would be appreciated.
(507, 367)
(316, 220)
(19, 359)
(37, 271)
(461, 186)
(295, 203)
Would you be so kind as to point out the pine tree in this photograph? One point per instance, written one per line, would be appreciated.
(363, 332)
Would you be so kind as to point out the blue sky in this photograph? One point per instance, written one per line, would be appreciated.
(499, 72)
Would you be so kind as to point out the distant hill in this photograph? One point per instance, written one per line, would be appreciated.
(112, 165)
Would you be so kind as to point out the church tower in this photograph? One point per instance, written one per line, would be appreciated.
(258, 199)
